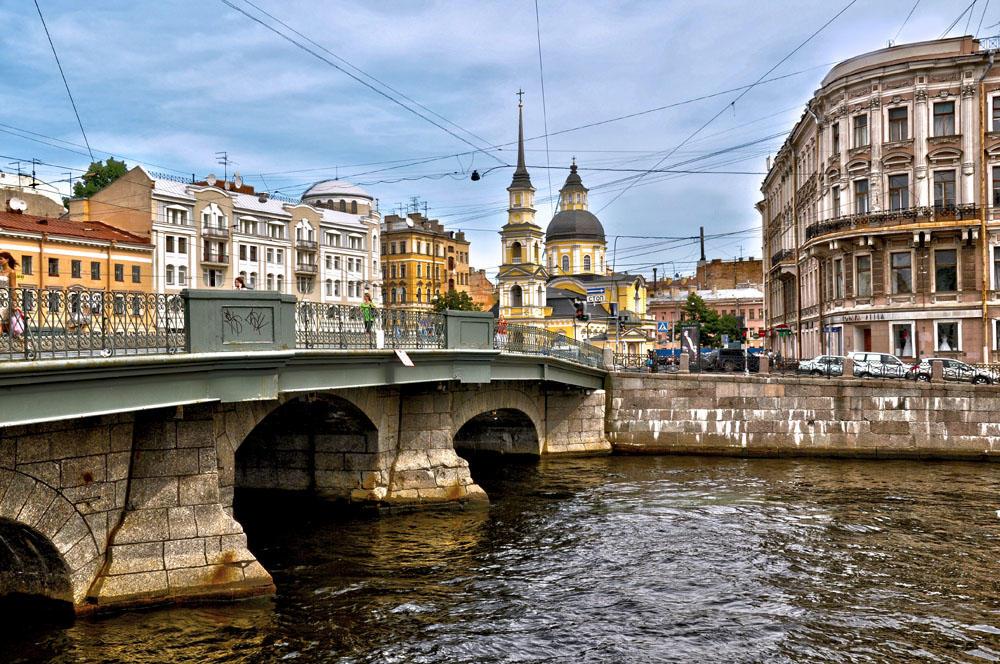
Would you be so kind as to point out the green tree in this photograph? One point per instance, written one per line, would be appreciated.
(713, 326)
(455, 300)
(98, 176)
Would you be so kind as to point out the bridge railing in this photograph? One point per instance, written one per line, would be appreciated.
(529, 340)
(58, 323)
(342, 326)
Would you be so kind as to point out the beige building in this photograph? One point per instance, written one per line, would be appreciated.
(481, 289)
(208, 233)
(421, 260)
(880, 212)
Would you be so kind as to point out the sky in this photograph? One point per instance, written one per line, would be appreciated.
(169, 84)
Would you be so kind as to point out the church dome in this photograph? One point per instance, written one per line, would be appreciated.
(335, 188)
(575, 224)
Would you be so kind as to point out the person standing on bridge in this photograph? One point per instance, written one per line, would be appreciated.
(368, 316)
(11, 318)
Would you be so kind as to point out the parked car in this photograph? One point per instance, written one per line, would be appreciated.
(823, 365)
(879, 365)
(733, 359)
(954, 370)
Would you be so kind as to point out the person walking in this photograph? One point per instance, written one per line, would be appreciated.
(11, 318)
(368, 317)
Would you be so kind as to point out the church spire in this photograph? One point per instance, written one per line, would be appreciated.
(521, 178)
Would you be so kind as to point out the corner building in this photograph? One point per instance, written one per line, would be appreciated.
(881, 212)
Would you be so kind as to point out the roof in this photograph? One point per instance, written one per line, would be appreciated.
(746, 293)
(575, 224)
(85, 230)
(573, 179)
(336, 188)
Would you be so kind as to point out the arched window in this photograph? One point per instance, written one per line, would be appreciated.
(182, 275)
(602, 264)
(586, 263)
(515, 296)
(565, 263)
(402, 296)
(354, 207)
(170, 275)
(270, 281)
(343, 205)
(329, 287)
(515, 252)
(393, 295)
(253, 280)
(280, 284)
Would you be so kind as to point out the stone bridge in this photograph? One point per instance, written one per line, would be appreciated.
(117, 475)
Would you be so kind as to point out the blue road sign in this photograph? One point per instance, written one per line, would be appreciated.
(663, 326)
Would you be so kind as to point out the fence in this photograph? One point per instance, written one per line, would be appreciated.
(344, 326)
(56, 323)
(528, 340)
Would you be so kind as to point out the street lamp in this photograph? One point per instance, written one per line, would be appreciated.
(477, 176)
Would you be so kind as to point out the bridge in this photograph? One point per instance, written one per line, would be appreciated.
(127, 422)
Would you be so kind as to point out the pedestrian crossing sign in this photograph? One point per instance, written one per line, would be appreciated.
(663, 326)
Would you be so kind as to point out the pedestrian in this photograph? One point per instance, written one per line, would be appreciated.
(11, 318)
(501, 332)
(368, 317)
(240, 283)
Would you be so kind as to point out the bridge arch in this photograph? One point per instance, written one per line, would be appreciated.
(47, 549)
(499, 431)
(469, 405)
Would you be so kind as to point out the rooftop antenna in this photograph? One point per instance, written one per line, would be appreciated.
(34, 180)
(17, 164)
(222, 158)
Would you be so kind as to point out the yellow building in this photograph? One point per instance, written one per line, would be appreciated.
(58, 253)
(559, 279)
(421, 260)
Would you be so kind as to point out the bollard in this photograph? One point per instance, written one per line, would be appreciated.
(685, 363)
(764, 365)
(937, 371)
(848, 368)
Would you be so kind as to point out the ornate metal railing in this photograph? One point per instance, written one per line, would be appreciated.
(529, 340)
(58, 323)
(343, 326)
(893, 218)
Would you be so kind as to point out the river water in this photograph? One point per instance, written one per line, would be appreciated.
(619, 559)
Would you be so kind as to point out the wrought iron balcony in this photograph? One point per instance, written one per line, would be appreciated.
(306, 268)
(307, 245)
(215, 258)
(890, 218)
(215, 231)
(781, 255)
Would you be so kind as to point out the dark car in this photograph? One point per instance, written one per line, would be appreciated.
(734, 359)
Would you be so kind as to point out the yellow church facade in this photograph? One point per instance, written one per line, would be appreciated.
(547, 276)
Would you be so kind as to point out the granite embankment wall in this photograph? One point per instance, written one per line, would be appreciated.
(791, 416)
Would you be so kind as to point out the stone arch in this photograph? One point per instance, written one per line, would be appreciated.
(475, 403)
(37, 516)
(327, 443)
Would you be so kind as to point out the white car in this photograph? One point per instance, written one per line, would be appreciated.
(955, 370)
(878, 365)
(823, 365)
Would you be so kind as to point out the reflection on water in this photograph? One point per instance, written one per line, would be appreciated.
(607, 560)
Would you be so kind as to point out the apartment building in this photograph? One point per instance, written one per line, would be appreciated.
(420, 260)
(881, 212)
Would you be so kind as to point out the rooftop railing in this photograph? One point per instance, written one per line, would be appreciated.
(889, 218)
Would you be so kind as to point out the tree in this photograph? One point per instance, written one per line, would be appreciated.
(455, 300)
(712, 325)
(98, 176)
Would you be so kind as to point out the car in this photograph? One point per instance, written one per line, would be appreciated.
(823, 365)
(733, 359)
(954, 370)
(878, 365)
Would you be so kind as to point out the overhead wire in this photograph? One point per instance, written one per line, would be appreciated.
(545, 112)
(905, 21)
(957, 19)
(986, 6)
(65, 82)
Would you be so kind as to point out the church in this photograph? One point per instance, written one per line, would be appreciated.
(545, 275)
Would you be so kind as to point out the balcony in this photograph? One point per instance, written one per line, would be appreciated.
(782, 256)
(892, 218)
(214, 258)
(306, 268)
(215, 231)
(305, 245)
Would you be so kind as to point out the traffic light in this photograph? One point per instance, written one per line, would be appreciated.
(581, 310)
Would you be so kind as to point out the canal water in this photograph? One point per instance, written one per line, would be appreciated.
(621, 559)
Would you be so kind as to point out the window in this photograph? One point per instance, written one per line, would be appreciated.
(253, 252)
(898, 124)
(861, 197)
(838, 278)
(565, 263)
(354, 207)
(119, 272)
(169, 272)
(243, 252)
(947, 336)
(402, 271)
(336, 263)
(944, 189)
(586, 263)
(996, 186)
(944, 118)
(863, 273)
(902, 276)
(95, 270)
(279, 255)
(945, 270)
(170, 243)
(902, 339)
(343, 205)
(53, 267)
(53, 301)
(75, 269)
(212, 278)
(26, 264)
(899, 192)
(176, 217)
(336, 288)
(182, 245)
(835, 201)
(279, 283)
(835, 138)
(515, 252)
(860, 131)
(119, 304)
(996, 113)
(182, 275)
(136, 272)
